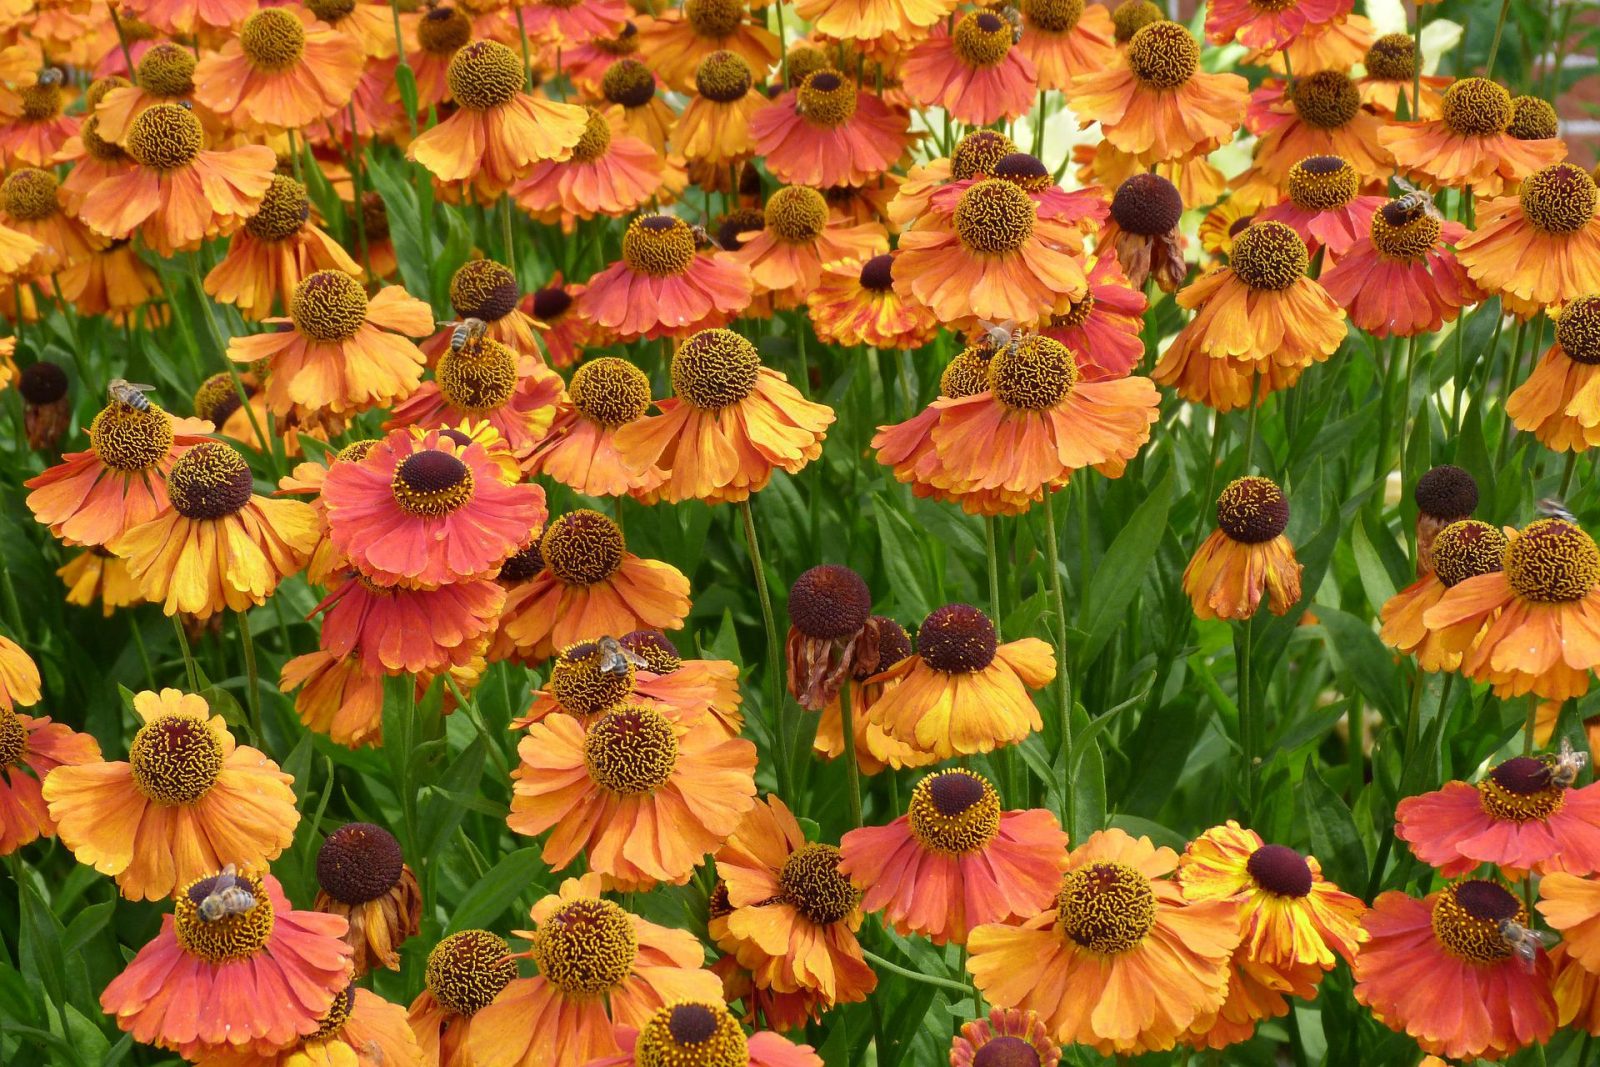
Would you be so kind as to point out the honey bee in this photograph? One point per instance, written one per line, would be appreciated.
(467, 332)
(616, 658)
(999, 334)
(1413, 202)
(227, 897)
(1014, 17)
(702, 239)
(122, 391)
(1523, 942)
(51, 76)
(1553, 508)
(1566, 765)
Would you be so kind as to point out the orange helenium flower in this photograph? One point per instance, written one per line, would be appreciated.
(274, 251)
(856, 304)
(514, 393)
(1541, 614)
(793, 915)
(1121, 961)
(1402, 279)
(964, 692)
(1246, 556)
(692, 1030)
(599, 966)
(179, 193)
(1463, 549)
(1469, 144)
(730, 424)
(975, 71)
(427, 512)
(828, 132)
(185, 802)
(284, 70)
(498, 132)
(956, 860)
(1559, 403)
(665, 284)
(256, 980)
(362, 876)
(642, 798)
(1441, 970)
(800, 234)
(581, 451)
(1541, 247)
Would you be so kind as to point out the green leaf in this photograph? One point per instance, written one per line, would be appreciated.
(1355, 649)
(486, 902)
(1334, 838)
(1122, 571)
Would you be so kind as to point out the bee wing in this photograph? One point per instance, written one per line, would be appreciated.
(1407, 187)
(225, 880)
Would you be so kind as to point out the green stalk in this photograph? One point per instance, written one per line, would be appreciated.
(190, 670)
(916, 976)
(1247, 713)
(1494, 48)
(774, 666)
(1063, 668)
(852, 772)
(992, 557)
(1405, 401)
(252, 678)
(1250, 423)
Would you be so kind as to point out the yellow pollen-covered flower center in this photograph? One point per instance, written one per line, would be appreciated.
(994, 217)
(484, 74)
(1552, 561)
(723, 77)
(594, 141)
(1559, 199)
(1404, 230)
(164, 136)
(478, 378)
(484, 289)
(1033, 372)
(1477, 106)
(1077, 313)
(1327, 99)
(99, 88)
(968, 373)
(283, 211)
(1467, 918)
(610, 391)
(332, 1022)
(97, 146)
(41, 102)
(1392, 58)
(1131, 16)
(241, 927)
(804, 61)
(1164, 55)
(273, 39)
(827, 99)
(127, 439)
(811, 882)
(1520, 790)
(981, 39)
(691, 1035)
(356, 451)
(468, 969)
(1465, 549)
(1106, 907)
(167, 69)
(630, 750)
(30, 194)
(954, 812)
(796, 214)
(658, 245)
(1578, 329)
(977, 153)
(586, 682)
(715, 368)
(13, 738)
(583, 547)
(628, 82)
(1323, 183)
(713, 18)
(1532, 119)
(432, 483)
(1052, 16)
(659, 654)
(175, 759)
(1269, 256)
(1252, 510)
(210, 481)
(1280, 870)
(586, 948)
(443, 30)
(328, 305)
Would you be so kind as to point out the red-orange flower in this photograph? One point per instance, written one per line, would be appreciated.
(975, 71)
(283, 70)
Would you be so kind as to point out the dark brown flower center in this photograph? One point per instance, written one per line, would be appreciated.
(1252, 510)
(1280, 870)
(359, 862)
(432, 483)
(957, 639)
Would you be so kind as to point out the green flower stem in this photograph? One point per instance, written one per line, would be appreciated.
(852, 772)
(189, 667)
(916, 976)
(1063, 668)
(774, 667)
(251, 678)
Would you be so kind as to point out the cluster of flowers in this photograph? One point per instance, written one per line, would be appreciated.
(439, 556)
